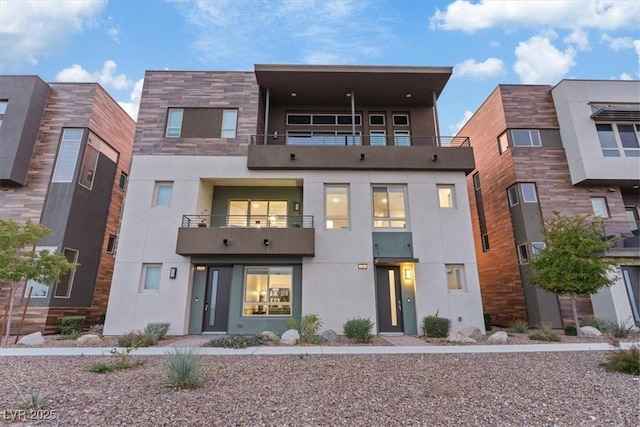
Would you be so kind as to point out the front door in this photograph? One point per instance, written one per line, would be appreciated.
(216, 302)
(389, 299)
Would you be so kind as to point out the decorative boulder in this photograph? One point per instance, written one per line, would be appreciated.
(459, 338)
(500, 337)
(268, 336)
(590, 331)
(471, 332)
(89, 339)
(329, 335)
(32, 339)
(290, 337)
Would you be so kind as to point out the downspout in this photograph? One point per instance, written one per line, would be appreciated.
(353, 118)
(435, 119)
(266, 116)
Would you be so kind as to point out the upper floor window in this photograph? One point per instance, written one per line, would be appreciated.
(529, 194)
(67, 155)
(376, 119)
(37, 289)
(600, 208)
(401, 138)
(258, 213)
(389, 207)
(201, 123)
(151, 277)
(446, 196)
(401, 120)
(336, 206)
(323, 138)
(322, 119)
(163, 192)
(64, 286)
(455, 277)
(526, 138)
(616, 137)
(377, 138)
(122, 184)
(3, 109)
(174, 122)
(229, 121)
(503, 143)
(512, 195)
(476, 181)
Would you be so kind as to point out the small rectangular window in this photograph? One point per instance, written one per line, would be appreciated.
(298, 119)
(64, 286)
(526, 138)
(68, 155)
(163, 193)
(503, 143)
(523, 254)
(378, 138)
(529, 193)
(123, 181)
(537, 247)
(599, 205)
(344, 119)
(151, 277)
(455, 277)
(401, 120)
(319, 119)
(3, 106)
(38, 290)
(512, 193)
(376, 119)
(89, 162)
(446, 196)
(485, 242)
(174, 122)
(336, 206)
(229, 122)
(476, 181)
(111, 244)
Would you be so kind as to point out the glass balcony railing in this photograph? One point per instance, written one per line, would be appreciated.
(248, 221)
(330, 139)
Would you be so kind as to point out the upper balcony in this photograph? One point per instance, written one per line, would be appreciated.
(280, 235)
(624, 237)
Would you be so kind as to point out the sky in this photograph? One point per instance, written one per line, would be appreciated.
(486, 42)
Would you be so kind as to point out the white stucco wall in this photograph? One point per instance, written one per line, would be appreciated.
(613, 303)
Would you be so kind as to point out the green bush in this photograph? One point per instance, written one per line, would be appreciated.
(183, 368)
(545, 333)
(519, 326)
(571, 330)
(101, 368)
(157, 330)
(619, 329)
(358, 329)
(71, 325)
(600, 324)
(101, 318)
(437, 327)
(136, 339)
(307, 327)
(488, 324)
(235, 341)
(625, 361)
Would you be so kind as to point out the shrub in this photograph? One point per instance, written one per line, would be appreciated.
(136, 339)
(97, 329)
(101, 318)
(358, 329)
(33, 401)
(71, 325)
(235, 341)
(625, 361)
(123, 358)
(600, 324)
(101, 368)
(435, 326)
(307, 327)
(183, 368)
(519, 326)
(619, 329)
(157, 330)
(488, 324)
(545, 333)
(570, 330)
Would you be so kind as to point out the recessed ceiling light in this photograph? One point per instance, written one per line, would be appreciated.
(294, 94)
(408, 95)
(349, 95)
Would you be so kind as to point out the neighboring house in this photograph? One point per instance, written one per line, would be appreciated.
(571, 148)
(259, 196)
(65, 150)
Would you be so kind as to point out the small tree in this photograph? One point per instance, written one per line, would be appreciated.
(572, 262)
(19, 263)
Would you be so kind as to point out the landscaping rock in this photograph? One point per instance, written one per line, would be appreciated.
(459, 338)
(268, 336)
(32, 339)
(500, 337)
(471, 332)
(329, 335)
(590, 331)
(89, 339)
(290, 337)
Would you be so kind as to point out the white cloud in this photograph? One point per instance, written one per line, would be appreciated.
(106, 77)
(617, 43)
(494, 43)
(114, 33)
(492, 67)
(463, 121)
(625, 76)
(133, 105)
(31, 28)
(578, 38)
(538, 61)
(604, 15)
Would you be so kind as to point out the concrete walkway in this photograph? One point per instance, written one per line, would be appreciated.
(403, 340)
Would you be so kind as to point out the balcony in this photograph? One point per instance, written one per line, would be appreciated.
(246, 235)
(623, 235)
(360, 152)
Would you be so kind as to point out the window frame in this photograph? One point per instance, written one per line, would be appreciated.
(530, 133)
(267, 303)
(232, 131)
(484, 239)
(178, 126)
(523, 253)
(71, 275)
(124, 178)
(32, 283)
(393, 118)
(111, 243)
(503, 142)
(377, 135)
(615, 144)
(156, 193)
(477, 185)
(537, 247)
(460, 278)
(251, 216)
(452, 195)
(371, 115)
(401, 135)
(524, 194)
(327, 217)
(338, 117)
(605, 207)
(390, 219)
(145, 276)
(65, 173)
(512, 194)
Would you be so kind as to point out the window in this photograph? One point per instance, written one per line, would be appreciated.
(523, 254)
(526, 138)
(267, 291)
(39, 290)
(151, 277)
(111, 244)
(3, 109)
(446, 196)
(336, 203)
(529, 193)
(537, 247)
(401, 138)
(376, 119)
(322, 119)
(67, 155)
(485, 242)
(389, 207)
(476, 181)
(401, 120)
(163, 192)
(323, 138)
(229, 120)
(123, 181)
(378, 138)
(616, 137)
(455, 277)
(512, 193)
(599, 205)
(89, 163)
(257, 213)
(174, 122)
(503, 143)
(63, 287)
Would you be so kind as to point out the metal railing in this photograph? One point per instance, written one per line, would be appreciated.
(247, 221)
(359, 140)
(622, 234)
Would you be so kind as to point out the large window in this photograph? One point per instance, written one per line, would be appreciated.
(389, 207)
(63, 287)
(38, 290)
(336, 206)
(446, 196)
(526, 138)
(67, 155)
(619, 137)
(201, 123)
(267, 291)
(229, 120)
(455, 277)
(151, 277)
(163, 193)
(323, 138)
(257, 213)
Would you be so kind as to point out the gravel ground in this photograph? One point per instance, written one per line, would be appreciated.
(534, 389)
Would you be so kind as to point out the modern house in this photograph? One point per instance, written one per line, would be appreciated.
(259, 196)
(572, 148)
(65, 150)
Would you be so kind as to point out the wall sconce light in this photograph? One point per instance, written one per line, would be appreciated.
(362, 266)
(275, 134)
(296, 206)
(407, 274)
(173, 272)
(292, 156)
(200, 268)
(611, 190)
(226, 242)
(434, 157)
(361, 156)
(266, 242)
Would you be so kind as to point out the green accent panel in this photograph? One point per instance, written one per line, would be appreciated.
(409, 308)
(222, 195)
(393, 245)
(197, 307)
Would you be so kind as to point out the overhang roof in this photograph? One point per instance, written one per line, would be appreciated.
(618, 113)
(372, 85)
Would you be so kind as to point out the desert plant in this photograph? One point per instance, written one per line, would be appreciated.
(625, 361)
(437, 327)
(570, 330)
(619, 329)
(545, 333)
(101, 318)
(519, 326)
(488, 324)
(70, 337)
(235, 341)
(183, 368)
(71, 325)
(308, 327)
(600, 324)
(358, 329)
(97, 329)
(157, 330)
(123, 358)
(101, 368)
(33, 400)
(136, 339)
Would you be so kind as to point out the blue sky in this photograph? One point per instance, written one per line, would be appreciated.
(487, 42)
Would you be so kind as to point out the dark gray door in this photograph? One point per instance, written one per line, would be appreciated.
(389, 298)
(216, 302)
